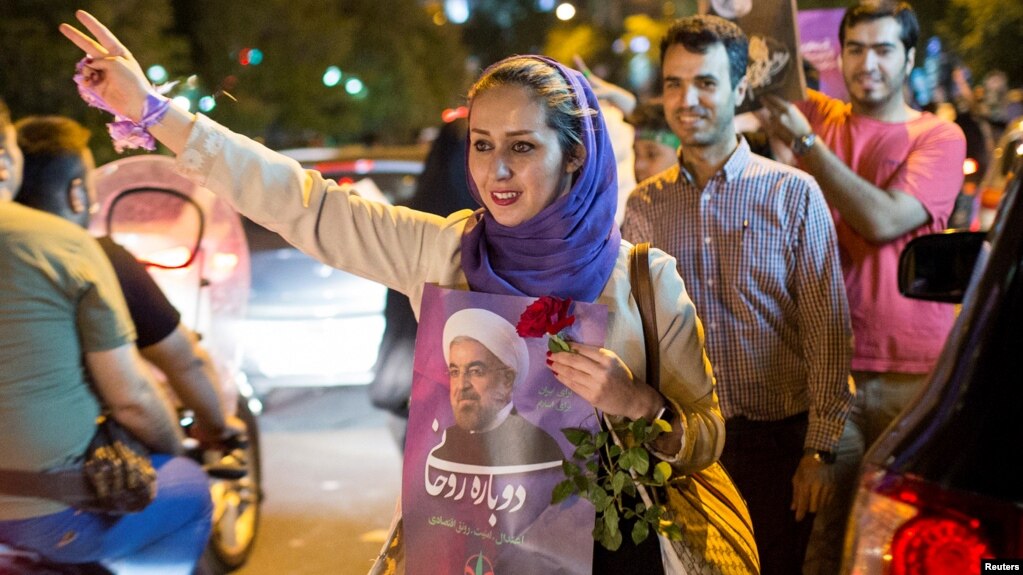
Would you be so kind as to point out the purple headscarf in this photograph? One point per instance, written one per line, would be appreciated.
(567, 250)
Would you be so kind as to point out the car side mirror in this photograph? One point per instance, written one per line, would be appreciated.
(938, 267)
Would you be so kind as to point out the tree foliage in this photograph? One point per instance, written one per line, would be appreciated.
(411, 68)
(37, 62)
(992, 36)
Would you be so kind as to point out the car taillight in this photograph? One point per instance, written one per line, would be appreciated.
(938, 545)
(905, 526)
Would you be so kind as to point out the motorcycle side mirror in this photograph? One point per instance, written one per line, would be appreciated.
(161, 227)
(938, 267)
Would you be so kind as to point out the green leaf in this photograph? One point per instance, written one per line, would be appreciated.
(662, 472)
(611, 541)
(585, 451)
(563, 491)
(614, 451)
(601, 500)
(577, 436)
(640, 459)
(611, 520)
(618, 482)
(640, 531)
(601, 439)
(671, 531)
(638, 429)
(570, 469)
(630, 489)
(583, 484)
(593, 466)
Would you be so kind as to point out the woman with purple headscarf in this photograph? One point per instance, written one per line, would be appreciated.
(541, 165)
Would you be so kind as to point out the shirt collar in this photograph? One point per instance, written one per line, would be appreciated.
(732, 169)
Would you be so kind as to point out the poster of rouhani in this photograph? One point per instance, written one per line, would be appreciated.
(484, 448)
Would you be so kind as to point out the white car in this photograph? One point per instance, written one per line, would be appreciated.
(309, 324)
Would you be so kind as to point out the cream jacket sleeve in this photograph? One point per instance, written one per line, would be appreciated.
(395, 246)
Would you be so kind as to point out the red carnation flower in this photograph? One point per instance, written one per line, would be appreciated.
(547, 315)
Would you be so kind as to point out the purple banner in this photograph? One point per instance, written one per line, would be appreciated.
(818, 43)
(484, 448)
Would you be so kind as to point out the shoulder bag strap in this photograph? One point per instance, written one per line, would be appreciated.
(643, 291)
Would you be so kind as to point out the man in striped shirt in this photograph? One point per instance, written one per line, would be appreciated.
(757, 249)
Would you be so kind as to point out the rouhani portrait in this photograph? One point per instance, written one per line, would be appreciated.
(486, 361)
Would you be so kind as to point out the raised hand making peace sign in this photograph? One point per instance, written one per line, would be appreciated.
(113, 75)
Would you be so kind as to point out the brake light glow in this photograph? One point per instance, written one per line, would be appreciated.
(938, 545)
(904, 527)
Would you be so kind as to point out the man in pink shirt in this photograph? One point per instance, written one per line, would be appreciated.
(889, 173)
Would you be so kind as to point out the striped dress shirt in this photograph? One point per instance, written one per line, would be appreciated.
(757, 250)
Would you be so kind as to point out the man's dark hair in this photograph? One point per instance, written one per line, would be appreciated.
(698, 33)
(649, 116)
(53, 148)
(870, 10)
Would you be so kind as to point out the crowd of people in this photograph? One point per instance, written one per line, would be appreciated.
(786, 349)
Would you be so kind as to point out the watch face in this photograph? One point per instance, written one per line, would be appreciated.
(803, 145)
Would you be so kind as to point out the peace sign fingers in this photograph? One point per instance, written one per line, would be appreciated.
(105, 45)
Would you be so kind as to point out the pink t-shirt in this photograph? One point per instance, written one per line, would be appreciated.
(923, 158)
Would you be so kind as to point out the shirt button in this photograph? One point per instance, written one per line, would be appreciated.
(705, 197)
(706, 240)
(712, 326)
(710, 283)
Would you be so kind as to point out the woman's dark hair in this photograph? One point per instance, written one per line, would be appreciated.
(548, 86)
(870, 10)
(698, 33)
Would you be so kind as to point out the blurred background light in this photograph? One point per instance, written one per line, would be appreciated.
(639, 44)
(207, 103)
(565, 11)
(183, 102)
(353, 86)
(157, 74)
(332, 76)
(457, 11)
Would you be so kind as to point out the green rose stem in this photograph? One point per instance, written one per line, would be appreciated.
(558, 343)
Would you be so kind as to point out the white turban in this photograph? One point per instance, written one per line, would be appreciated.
(493, 332)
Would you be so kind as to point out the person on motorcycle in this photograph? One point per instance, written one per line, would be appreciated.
(58, 178)
(67, 347)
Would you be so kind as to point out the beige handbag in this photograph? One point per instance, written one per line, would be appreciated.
(717, 533)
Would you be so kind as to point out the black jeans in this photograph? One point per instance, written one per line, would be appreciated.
(762, 457)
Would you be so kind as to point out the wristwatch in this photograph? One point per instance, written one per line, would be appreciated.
(820, 455)
(803, 144)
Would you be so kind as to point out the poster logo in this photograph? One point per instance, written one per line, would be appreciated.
(479, 565)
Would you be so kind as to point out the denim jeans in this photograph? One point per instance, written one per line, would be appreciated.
(167, 537)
